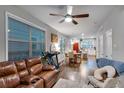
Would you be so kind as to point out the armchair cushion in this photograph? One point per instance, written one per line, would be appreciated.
(100, 74)
(108, 83)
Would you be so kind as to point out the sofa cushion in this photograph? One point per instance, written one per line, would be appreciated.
(36, 69)
(34, 65)
(12, 81)
(21, 68)
(9, 74)
(23, 73)
(21, 65)
(7, 68)
(33, 61)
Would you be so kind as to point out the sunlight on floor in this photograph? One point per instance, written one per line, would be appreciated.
(83, 70)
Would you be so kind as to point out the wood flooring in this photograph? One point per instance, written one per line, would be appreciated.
(78, 73)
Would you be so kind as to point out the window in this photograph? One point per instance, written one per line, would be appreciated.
(62, 44)
(38, 41)
(87, 43)
(24, 40)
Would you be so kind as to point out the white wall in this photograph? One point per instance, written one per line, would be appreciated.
(115, 21)
(23, 14)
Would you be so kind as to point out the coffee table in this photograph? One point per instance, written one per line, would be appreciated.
(64, 83)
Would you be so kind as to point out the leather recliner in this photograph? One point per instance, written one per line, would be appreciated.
(35, 67)
(26, 78)
(9, 77)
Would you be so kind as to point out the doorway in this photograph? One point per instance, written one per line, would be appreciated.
(101, 46)
(108, 48)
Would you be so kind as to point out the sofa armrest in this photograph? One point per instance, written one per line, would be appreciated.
(29, 79)
(48, 68)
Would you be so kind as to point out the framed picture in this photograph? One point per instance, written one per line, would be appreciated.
(54, 37)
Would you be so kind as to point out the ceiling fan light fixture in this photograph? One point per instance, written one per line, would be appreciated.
(68, 19)
(82, 34)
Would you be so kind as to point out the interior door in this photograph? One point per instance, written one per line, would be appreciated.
(101, 46)
(109, 44)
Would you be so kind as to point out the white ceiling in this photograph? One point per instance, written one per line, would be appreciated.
(88, 26)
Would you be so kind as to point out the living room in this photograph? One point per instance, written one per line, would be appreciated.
(62, 46)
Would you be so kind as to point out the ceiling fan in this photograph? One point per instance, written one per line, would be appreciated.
(69, 17)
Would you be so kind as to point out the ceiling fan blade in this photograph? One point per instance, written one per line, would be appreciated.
(56, 15)
(75, 22)
(61, 21)
(69, 10)
(80, 15)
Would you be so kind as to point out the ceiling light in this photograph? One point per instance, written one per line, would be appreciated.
(82, 34)
(68, 19)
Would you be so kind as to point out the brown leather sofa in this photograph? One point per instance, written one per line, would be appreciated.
(9, 77)
(29, 73)
(35, 67)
